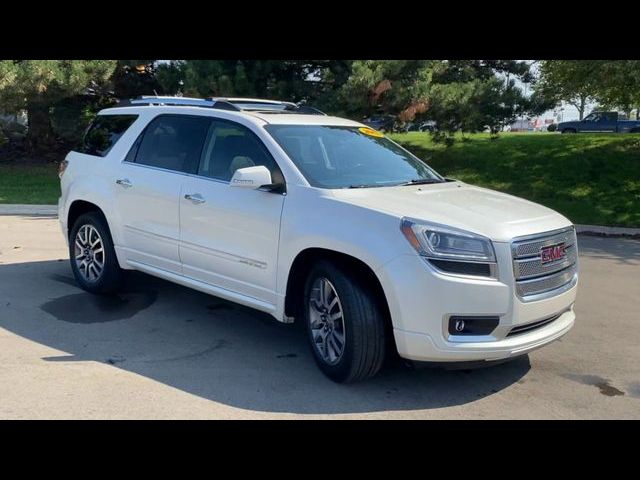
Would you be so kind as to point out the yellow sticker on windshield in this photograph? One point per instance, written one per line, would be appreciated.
(371, 132)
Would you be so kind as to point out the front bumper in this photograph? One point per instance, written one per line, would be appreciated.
(422, 347)
(421, 299)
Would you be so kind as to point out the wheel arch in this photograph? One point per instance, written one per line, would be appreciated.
(302, 265)
(80, 207)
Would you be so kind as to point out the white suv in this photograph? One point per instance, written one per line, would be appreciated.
(321, 219)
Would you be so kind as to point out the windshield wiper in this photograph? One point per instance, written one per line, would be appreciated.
(421, 181)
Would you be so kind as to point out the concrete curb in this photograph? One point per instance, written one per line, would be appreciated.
(602, 231)
(29, 210)
(52, 210)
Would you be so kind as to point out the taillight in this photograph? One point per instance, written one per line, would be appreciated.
(62, 167)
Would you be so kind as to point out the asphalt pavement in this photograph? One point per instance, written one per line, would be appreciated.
(159, 350)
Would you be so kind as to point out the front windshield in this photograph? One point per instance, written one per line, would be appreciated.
(349, 157)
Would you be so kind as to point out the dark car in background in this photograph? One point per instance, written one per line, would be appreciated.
(600, 122)
(380, 122)
(424, 126)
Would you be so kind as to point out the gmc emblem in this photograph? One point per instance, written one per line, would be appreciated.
(552, 253)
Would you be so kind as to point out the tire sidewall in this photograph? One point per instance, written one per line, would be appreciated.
(111, 271)
(343, 286)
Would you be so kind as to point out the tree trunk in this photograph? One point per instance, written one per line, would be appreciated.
(581, 107)
(40, 137)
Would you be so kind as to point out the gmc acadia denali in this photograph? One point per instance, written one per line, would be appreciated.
(321, 219)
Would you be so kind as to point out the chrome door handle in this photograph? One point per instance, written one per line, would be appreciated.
(124, 182)
(195, 198)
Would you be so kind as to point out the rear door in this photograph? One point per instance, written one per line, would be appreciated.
(148, 188)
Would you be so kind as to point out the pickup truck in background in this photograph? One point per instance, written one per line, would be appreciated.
(600, 122)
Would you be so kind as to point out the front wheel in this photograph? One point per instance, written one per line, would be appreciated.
(568, 130)
(344, 323)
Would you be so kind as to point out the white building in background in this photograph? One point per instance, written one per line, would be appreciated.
(537, 124)
(520, 125)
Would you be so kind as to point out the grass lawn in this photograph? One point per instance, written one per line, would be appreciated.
(591, 179)
(33, 184)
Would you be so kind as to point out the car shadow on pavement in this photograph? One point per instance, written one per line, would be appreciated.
(215, 349)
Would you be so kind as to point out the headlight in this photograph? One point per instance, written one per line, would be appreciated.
(447, 243)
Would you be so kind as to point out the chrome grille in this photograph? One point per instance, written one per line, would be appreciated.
(544, 284)
(533, 278)
(531, 247)
(533, 267)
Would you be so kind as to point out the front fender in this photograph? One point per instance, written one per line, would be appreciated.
(313, 218)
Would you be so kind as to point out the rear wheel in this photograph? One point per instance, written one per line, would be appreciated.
(344, 324)
(93, 258)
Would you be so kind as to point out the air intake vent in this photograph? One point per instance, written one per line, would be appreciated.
(463, 268)
(529, 327)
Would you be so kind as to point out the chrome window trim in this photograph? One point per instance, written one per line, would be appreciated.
(212, 118)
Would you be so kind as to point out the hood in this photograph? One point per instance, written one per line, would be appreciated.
(496, 215)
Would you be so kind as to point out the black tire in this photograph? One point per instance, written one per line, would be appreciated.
(364, 324)
(568, 130)
(111, 275)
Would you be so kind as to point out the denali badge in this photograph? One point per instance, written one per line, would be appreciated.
(553, 253)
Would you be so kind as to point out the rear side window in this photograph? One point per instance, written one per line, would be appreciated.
(104, 132)
(172, 142)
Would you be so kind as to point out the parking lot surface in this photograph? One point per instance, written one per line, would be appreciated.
(159, 350)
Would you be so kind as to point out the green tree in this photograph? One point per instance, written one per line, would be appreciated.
(132, 78)
(618, 85)
(36, 85)
(459, 95)
(387, 86)
(292, 80)
(575, 82)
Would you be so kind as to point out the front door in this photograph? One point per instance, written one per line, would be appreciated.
(229, 236)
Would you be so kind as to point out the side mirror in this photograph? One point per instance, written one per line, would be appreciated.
(251, 177)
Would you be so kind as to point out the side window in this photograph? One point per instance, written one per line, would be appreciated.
(173, 142)
(104, 132)
(231, 146)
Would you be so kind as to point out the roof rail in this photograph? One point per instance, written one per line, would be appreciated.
(223, 103)
(183, 101)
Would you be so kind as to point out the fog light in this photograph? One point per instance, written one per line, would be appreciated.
(463, 325)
